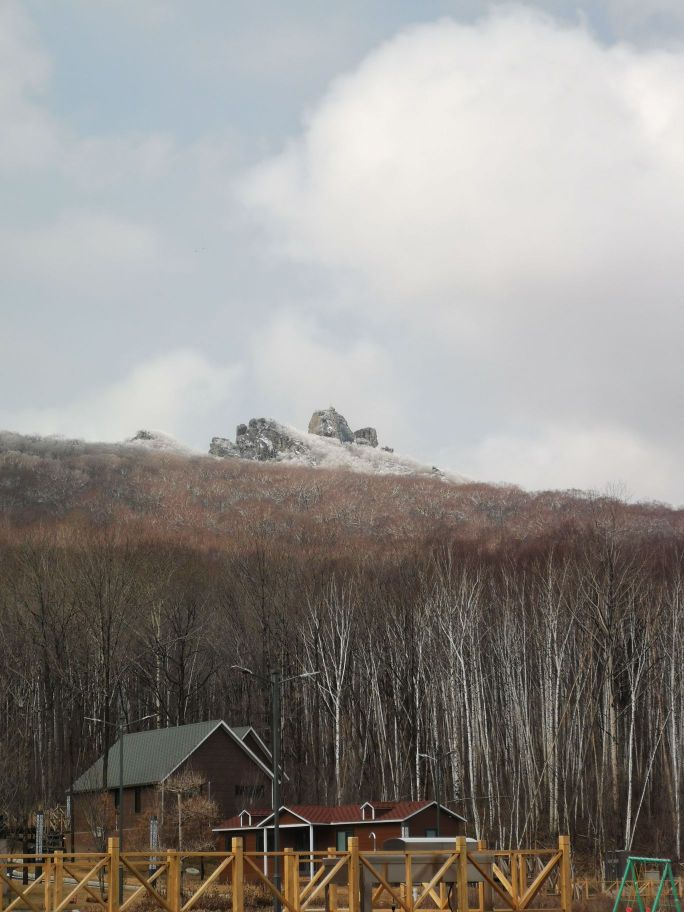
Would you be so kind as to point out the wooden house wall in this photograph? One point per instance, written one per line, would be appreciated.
(232, 773)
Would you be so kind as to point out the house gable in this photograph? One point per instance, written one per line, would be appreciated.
(236, 739)
(234, 776)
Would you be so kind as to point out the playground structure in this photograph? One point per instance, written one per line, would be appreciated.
(466, 878)
(639, 892)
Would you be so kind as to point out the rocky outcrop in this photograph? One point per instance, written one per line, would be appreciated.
(329, 423)
(263, 439)
(221, 446)
(367, 436)
(260, 439)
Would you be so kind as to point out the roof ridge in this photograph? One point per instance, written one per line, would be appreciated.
(151, 755)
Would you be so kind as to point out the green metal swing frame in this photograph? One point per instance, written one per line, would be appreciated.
(666, 876)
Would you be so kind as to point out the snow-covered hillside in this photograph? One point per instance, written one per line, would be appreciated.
(329, 443)
(329, 453)
(332, 446)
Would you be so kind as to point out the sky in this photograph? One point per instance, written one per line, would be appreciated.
(459, 222)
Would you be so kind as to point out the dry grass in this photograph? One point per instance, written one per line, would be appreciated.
(599, 902)
(217, 899)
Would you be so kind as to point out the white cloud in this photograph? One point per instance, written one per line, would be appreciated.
(173, 393)
(556, 456)
(29, 134)
(80, 249)
(300, 368)
(478, 160)
(510, 194)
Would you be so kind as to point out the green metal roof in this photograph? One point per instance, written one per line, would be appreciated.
(151, 756)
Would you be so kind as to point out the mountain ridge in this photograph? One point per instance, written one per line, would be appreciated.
(329, 443)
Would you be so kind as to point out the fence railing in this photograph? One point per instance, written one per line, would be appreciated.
(467, 878)
(585, 887)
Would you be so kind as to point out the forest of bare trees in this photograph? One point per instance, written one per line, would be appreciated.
(542, 660)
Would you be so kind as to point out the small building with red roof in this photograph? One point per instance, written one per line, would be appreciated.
(316, 827)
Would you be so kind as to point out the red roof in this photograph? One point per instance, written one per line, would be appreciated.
(233, 823)
(402, 809)
(340, 813)
(322, 813)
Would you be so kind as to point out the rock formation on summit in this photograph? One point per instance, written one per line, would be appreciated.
(330, 443)
(367, 436)
(329, 423)
(261, 439)
(264, 438)
(221, 446)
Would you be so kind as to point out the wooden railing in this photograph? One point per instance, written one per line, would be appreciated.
(467, 878)
(584, 888)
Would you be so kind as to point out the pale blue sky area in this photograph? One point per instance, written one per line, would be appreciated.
(451, 220)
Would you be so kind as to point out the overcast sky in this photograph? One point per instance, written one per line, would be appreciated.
(460, 222)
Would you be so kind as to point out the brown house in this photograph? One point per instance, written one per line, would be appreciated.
(307, 827)
(233, 764)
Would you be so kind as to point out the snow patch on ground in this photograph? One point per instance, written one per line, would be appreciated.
(326, 452)
(160, 442)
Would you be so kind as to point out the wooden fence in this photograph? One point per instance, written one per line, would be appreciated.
(586, 888)
(467, 878)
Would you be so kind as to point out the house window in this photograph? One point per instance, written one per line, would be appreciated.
(138, 799)
(342, 837)
(431, 833)
(116, 798)
(404, 830)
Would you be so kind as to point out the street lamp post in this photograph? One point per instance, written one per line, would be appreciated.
(120, 815)
(275, 681)
(276, 684)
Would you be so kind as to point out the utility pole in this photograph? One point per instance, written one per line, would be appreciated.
(276, 683)
(121, 789)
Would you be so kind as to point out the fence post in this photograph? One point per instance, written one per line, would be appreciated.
(58, 884)
(237, 891)
(47, 883)
(462, 891)
(173, 881)
(294, 874)
(481, 846)
(331, 889)
(565, 879)
(515, 871)
(408, 880)
(286, 882)
(354, 874)
(113, 874)
(522, 877)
